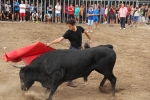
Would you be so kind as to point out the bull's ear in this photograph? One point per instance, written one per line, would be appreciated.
(18, 66)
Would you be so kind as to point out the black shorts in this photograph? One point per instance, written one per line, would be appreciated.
(71, 16)
(16, 11)
(112, 16)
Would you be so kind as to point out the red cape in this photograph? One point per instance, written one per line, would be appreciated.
(28, 53)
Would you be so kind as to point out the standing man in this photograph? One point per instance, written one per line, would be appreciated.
(57, 13)
(122, 16)
(71, 11)
(76, 13)
(22, 11)
(95, 17)
(27, 11)
(16, 10)
(74, 35)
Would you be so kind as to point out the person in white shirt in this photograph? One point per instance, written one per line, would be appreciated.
(105, 15)
(57, 12)
(35, 16)
(7, 7)
(22, 11)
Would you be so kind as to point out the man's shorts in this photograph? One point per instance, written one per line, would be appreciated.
(16, 11)
(49, 16)
(95, 20)
(57, 14)
(76, 16)
(22, 14)
(90, 22)
(142, 19)
(135, 18)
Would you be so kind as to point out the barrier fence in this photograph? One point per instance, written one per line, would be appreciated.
(43, 4)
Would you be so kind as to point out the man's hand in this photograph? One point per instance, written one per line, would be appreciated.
(47, 44)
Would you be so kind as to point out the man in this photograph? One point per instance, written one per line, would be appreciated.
(122, 16)
(71, 11)
(57, 12)
(22, 11)
(90, 19)
(95, 17)
(76, 13)
(35, 16)
(16, 10)
(27, 11)
(74, 35)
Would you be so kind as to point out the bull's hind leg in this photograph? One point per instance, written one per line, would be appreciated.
(57, 77)
(112, 80)
(103, 81)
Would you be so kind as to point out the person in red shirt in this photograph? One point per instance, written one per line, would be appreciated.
(128, 14)
(71, 11)
(112, 15)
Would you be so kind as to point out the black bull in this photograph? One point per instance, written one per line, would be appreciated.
(53, 68)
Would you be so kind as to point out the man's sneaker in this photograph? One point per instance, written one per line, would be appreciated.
(91, 31)
(20, 20)
(71, 84)
(87, 31)
(120, 28)
(36, 21)
(24, 21)
(124, 28)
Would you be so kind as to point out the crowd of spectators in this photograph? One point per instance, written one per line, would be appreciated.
(90, 14)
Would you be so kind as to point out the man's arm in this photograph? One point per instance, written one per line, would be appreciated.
(90, 40)
(55, 41)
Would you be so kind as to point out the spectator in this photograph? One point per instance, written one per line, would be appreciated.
(50, 10)
(57, 13)
(76, 13)
(81, 13)
(136, 15)
(2, 16)
(16, 10)
(122, 16)
(117, 11)
(65, 11)
(142, 16)
(9, 15)
(112, 15)
(35, 17)
(90, 19)
(95, 17)
(7, 8)
(22, 11)
(27, 11)
(131, 15)
(128, 18)
(31, 10)
(102, 12)
(146, 13)
(105, 15)
(149, 16)
(71, 11)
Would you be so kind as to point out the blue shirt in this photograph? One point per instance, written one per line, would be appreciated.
(32, 9)
(95, 11)
(90, 17)
(16, 6)
(77, 10)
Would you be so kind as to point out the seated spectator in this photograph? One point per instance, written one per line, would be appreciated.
(46, 17)
(9, 15)
(35, 16)
(2, 16)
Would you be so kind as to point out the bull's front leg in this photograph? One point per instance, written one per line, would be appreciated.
(57, 77)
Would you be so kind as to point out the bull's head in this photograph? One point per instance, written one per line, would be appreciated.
(25, 77)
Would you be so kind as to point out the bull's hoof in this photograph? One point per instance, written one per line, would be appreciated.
(71, 84)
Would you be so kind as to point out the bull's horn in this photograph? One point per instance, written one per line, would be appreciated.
(18, 66)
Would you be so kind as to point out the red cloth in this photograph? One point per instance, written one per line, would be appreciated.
(28, 53)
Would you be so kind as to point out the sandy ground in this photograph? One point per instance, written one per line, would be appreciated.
(132, 67)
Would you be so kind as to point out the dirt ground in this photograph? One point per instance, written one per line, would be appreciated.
(132, 67)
